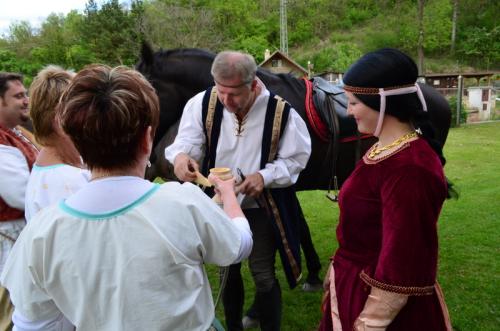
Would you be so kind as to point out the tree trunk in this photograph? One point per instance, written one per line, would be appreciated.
(421, 4)
(454, 26)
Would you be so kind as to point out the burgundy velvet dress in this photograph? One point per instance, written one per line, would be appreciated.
(388, 238)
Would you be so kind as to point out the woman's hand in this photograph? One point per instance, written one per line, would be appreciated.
(223, 188)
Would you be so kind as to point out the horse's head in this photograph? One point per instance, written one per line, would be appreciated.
(177, 75)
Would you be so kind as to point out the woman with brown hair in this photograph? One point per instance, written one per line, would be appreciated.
(122, 253)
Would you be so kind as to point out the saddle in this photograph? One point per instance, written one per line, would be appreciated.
(330, 102)
(326, 110)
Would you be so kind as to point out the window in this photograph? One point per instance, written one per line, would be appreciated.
(485, 95)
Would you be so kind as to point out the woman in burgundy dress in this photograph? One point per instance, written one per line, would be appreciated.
(383, 275)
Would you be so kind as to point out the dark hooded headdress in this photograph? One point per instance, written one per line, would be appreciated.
(385, 80)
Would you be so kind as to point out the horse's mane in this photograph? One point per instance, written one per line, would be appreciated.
(285, 85)
(182, 64)
(184, 52)
(186, 65)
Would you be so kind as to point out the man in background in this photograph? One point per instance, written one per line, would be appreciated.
(17, 155)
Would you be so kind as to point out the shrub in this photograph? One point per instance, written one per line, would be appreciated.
(453, 106)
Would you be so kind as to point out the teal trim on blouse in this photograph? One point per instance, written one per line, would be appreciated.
(119, 211)
(37, 167)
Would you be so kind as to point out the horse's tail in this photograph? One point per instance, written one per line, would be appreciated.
(452, 191)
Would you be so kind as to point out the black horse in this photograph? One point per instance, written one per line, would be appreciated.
(179, 74)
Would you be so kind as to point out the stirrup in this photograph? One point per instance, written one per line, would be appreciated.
(333, 196)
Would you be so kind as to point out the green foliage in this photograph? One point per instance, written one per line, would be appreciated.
(402, 29)
(336, 58)
(437, 25)
(453, 102)
(78, 56)
(50, 44)
(22, 38)
(303, 31)
(482, 45)
(376, 39)
(330, 33)
(252, 45)
(9, 62)
(359, 11)
(482, 13)
(111, 32)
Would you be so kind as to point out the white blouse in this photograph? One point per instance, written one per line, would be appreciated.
(49, 184)
(111, 260)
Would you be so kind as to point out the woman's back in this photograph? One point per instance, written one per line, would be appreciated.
(139, 267)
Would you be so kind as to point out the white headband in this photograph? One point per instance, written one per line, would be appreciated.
(388, 91)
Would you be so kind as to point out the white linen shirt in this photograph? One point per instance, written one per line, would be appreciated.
(49, 184)
(138, 268)
(244, 151)
(14, 173)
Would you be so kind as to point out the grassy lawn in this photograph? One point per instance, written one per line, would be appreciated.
(469, 230)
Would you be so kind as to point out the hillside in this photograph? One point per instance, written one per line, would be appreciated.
(330, 34)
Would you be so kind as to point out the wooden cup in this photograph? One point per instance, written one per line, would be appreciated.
(224, 174)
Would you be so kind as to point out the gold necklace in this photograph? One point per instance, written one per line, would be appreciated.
(376, 150)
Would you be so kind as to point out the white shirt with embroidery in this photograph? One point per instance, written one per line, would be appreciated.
(47, 185)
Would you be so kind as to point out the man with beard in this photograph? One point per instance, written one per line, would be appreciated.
(17, 155)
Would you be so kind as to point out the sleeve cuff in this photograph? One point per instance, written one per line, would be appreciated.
(406, 290)
(267, 176)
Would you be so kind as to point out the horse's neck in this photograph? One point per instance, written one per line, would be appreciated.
(288, 87)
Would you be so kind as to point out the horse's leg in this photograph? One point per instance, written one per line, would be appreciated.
(313, 264)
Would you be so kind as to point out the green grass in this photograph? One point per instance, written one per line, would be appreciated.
(469, 231)
(469, 228)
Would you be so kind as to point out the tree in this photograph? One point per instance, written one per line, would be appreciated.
(172, 25)
(51, 46)
(454, 26)
(22, 38)
(112, 32)
(420, 47)
(478, 41)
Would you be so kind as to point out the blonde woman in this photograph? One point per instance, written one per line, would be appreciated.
(58, 171)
